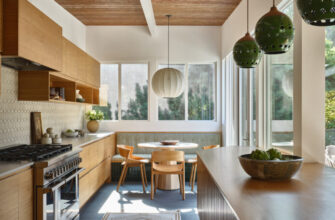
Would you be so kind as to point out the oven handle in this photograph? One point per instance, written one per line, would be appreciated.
(59, 184)
(78, 171)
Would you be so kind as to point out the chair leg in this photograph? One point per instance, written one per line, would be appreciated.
(124, 176)
(142, 178)
(121, 178)
(180, 184)
(145, 175)
(183, 186)
(156, 182)
(152, 186)
(191, 177)
(194, 175)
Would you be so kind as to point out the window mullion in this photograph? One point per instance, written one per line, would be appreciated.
(119, 89)
(186, 92)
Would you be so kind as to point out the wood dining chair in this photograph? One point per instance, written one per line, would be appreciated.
(131, 161)
(194, 163)
(167, 163)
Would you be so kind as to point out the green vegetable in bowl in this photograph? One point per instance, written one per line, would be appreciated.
(274, 154)
(271, 154)
(260, 155)
(69, 131)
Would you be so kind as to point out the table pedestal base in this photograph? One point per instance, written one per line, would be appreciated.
(168, 182)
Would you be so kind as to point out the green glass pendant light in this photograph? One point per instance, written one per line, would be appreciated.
(317, 12)
(274, 32)
(247, 53)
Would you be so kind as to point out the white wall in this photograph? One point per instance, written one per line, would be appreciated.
(73, 29)
(135, 44)
(15, 115)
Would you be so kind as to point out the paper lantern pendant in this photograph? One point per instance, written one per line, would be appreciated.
(168, 82)
(317, 12)
(275, 32)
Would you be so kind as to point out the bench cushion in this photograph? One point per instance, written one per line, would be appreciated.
(117, 158)
(202, 139)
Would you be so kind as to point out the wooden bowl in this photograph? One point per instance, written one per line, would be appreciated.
(169, 142)
(271, 169)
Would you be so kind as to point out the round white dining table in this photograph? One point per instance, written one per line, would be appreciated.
(169, 181)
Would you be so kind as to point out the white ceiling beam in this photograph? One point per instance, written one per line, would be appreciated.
(149, 15)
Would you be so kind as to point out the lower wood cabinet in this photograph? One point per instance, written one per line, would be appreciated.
(97, 159)
(17, 196)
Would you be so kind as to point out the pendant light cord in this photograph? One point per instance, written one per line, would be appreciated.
(247, 16)
(168, 40)
(274, 4)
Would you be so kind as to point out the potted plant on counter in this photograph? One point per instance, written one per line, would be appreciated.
(93, 117)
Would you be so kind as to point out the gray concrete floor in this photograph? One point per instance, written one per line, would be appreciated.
(131, 199)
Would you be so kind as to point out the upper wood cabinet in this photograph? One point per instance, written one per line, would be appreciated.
(1, 24)
(79, 66)
(31, 35)
(93, 71)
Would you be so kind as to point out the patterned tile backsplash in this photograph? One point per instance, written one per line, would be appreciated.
(15, 115)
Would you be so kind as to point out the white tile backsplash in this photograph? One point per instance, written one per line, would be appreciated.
(15, 115)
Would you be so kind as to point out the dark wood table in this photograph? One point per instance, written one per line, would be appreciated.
(225, 191)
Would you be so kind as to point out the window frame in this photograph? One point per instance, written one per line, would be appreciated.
(120, 89)
(186, 88)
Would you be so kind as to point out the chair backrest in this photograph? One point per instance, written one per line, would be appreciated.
(165, 156)
(125, 151)
(210, 147)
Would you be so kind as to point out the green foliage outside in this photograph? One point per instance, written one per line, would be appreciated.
(330, 109)
(175, 110)
(200, 105)
(137, 108)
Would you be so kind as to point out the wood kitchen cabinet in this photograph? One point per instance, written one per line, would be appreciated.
(92, 71)
(80, 66)
(1, 24)
(31, 35)
(96, 159)
(17, 196)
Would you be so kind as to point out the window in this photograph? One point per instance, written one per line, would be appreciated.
(199, 102)
(134, 91)
(109, 90)
(201, 89)
(330, 85)
(126, 89)
(280, 71)
(172, 108)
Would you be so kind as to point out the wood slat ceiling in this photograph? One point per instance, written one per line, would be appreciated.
(193, 12)
(106, 12)
(129, 12)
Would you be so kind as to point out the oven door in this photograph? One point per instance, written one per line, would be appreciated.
(61, 199)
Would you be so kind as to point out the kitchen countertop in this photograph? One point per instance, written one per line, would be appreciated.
(9, 167)
(310, 194)
(87, 139)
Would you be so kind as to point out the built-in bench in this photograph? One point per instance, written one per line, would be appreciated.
(134, 138)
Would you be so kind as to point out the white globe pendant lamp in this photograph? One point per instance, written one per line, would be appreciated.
(168, 82)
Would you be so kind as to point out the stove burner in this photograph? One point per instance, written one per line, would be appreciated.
(33, 152)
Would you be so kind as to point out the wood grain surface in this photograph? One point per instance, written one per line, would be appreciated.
(130, 12)
(310, 194)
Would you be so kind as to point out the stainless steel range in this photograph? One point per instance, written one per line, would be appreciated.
(56, 178)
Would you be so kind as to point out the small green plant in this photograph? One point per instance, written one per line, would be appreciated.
(94, 115)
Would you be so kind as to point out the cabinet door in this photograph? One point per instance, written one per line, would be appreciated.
(93, 72)
(30, 34)
(17, 196)
(1, 20)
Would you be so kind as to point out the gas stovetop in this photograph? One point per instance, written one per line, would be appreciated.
(33, 152)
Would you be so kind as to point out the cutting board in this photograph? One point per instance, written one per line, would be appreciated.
(36, 131)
